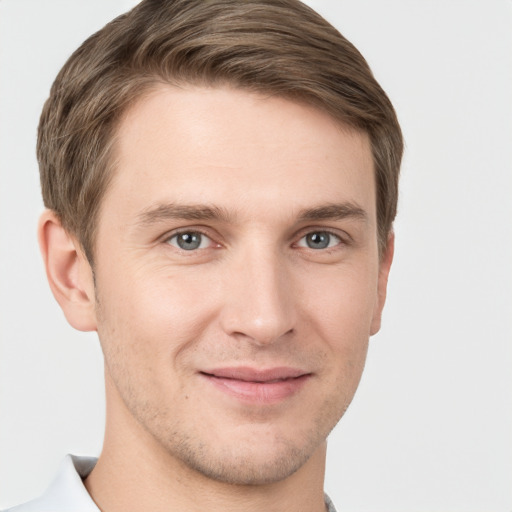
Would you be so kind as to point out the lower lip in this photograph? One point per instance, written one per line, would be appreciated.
(260, 392)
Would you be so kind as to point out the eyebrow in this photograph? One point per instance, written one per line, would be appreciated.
(334, 211)
(163, 212)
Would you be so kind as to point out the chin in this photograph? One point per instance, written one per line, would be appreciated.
(248, 468)
(252, 460)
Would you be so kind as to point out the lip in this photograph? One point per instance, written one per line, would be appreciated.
(257, 385)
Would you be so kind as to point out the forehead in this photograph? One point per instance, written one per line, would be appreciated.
(223, 145)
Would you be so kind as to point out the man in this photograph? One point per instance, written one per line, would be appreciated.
(221, 183)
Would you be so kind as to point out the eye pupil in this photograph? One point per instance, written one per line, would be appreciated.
(189, 241)
(318, 240)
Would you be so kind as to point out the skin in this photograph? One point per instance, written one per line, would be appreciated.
(256, 180)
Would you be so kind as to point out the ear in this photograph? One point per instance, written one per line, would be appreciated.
(382, 284)
(68, 271)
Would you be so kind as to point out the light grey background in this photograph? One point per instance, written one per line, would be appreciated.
(430, 428)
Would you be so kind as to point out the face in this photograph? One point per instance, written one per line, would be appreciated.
(237, 279)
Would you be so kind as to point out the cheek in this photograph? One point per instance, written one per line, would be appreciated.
(152, 316)
(143, 327)
(338, 315)
(341, 304)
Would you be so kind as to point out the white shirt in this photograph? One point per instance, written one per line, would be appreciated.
(67, 492)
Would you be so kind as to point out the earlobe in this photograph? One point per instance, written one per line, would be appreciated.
(382, 285)
(68, 271)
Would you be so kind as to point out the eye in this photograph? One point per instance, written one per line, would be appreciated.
(319, 240)
(190, 241)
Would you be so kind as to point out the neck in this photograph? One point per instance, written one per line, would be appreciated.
(135, 473)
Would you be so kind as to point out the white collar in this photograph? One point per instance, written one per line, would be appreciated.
(67, 491)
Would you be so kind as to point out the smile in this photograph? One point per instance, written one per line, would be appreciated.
(260, 386)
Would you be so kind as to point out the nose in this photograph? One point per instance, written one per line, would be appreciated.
(259, 304)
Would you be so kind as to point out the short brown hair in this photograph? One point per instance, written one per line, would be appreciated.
(276, 47)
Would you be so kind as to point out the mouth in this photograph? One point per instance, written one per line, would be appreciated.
(256, 385)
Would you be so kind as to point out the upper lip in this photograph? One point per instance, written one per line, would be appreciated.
(249, 374)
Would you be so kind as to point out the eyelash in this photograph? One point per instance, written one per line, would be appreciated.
(342, 240)
(188, 232)
(331, 234)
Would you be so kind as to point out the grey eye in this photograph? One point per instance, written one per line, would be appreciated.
(319, 240)
(189, 240)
